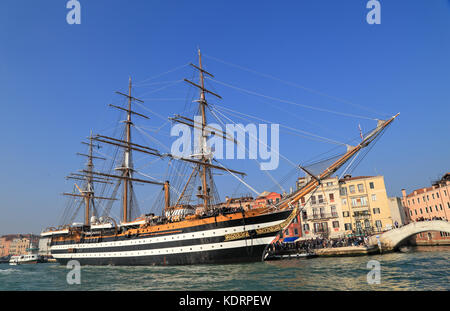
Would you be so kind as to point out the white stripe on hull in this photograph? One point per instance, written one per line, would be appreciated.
(169, 238)
(172, 250)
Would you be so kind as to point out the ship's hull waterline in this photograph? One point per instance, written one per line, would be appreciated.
(233, 241)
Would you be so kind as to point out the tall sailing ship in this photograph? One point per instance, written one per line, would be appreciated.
(180, 236)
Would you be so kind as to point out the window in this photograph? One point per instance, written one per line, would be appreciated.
(410, 213)
(344, 201)
(331, 195)
(315, 214)
(437, 194)
(304, 215)
(335, 224)
(360, 188)
(371, 185)
(286, 232)
(421, 212)
(413, 201)
(418, 200)
(367, 223)
(376, 210)
(348, 226)
(351, 189)
(440, 205)
(320, 227)
(415, 211)
(374, 197)
(320, 198)
(333, 211)
(432, 196)
(306, 227)
(313, 199)
(329, 184)
(296, 231)
(378, 224)
(445, 192)
(426, 208)
(343, 191)
(435, 207)
(322, 212)
(361, 201)
(346, 214)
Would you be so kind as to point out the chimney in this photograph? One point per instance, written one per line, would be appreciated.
(404, 193)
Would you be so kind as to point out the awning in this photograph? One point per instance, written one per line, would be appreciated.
(290, 239)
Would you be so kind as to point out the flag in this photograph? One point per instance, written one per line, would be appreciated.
(360, 131)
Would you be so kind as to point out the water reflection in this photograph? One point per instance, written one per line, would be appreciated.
(421, 268)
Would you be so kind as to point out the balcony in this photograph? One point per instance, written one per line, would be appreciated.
(361, 216)
(321, 216)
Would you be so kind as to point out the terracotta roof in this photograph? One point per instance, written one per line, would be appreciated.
(357, 177)
(420, 191)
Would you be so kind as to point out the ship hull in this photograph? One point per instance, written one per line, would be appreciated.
(234, 241)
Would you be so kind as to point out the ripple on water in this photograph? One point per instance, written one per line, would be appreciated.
(412, 270)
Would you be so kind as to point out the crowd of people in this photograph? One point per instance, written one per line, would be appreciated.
(319, 242)
(429, 219)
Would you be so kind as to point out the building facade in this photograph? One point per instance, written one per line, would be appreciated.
(365, 204)
(321, 211)
(427, 204)
(15, 244)
(399, 216)
(341, 207)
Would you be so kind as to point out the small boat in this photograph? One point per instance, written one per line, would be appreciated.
(25, 259)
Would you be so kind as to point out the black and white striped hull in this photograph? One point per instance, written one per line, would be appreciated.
(204, 244)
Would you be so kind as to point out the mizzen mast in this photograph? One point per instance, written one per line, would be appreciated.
(88, 192)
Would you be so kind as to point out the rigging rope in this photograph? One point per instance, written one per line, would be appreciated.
(344, 101)
(291, 102)
(318, 137)
(245, 148)
(161, 74)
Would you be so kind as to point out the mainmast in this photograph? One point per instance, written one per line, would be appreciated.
(203, 146)
(127, 166)
(203, 156)
(128, 146)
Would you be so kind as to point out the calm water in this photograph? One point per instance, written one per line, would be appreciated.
(422, 268)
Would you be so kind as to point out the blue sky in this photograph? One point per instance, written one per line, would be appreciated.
(58, 79)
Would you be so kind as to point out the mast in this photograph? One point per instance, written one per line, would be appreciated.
(203, 159)
(88, 192)
(128, 146)
(89, 187)
(166, 195)
(127, 157)
(203, 146)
